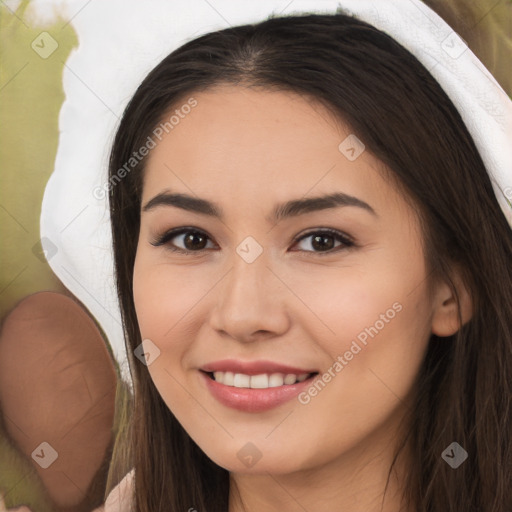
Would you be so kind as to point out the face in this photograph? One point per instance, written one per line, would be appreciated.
(334, 288)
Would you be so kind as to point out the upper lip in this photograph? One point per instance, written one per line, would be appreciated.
(253, 367)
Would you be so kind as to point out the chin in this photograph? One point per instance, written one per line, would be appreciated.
(248, 459)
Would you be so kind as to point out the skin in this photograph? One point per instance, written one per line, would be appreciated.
(247, 150)
(57, 385)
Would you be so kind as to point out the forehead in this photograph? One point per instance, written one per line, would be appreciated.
(250, 144)
(235, 118)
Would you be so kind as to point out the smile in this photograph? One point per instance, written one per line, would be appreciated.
(254, 393)
(261, 381)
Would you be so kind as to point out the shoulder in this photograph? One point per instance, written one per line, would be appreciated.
(120, 497)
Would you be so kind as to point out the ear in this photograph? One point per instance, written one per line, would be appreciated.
(445, 319)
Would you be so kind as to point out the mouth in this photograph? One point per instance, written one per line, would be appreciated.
(260, 381)
(254, 393)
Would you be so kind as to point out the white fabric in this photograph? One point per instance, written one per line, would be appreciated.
(484, 106)
(122, 40)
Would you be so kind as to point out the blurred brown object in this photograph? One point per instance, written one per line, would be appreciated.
(486, 26)
(57, 396)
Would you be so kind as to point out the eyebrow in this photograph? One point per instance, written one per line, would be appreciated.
(292, 208)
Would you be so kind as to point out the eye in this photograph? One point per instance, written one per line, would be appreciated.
(193, 240)
(324, 240)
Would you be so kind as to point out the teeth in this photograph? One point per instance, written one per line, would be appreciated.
(262, 381)
(242, 381)
(276, 379)
(259, 381)
(290, 379)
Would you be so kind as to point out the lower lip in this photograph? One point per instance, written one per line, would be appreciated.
(254, 400)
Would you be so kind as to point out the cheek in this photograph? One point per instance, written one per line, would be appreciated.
(150, 300)
(167, 300)
(381, 337)
(341, 305)
(376, 317)
(163, 297)
(161, 301)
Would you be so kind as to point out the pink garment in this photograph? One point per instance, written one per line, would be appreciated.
(120, 497)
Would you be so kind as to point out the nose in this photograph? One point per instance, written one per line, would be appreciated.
(250, 302)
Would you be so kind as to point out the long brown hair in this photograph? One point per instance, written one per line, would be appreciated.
(405, 119)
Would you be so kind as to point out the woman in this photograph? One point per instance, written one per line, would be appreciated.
(375, 375)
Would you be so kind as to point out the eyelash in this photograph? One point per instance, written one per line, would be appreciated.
(168, 235)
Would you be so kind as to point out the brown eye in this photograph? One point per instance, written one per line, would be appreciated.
(324, 241)
(192, 240)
